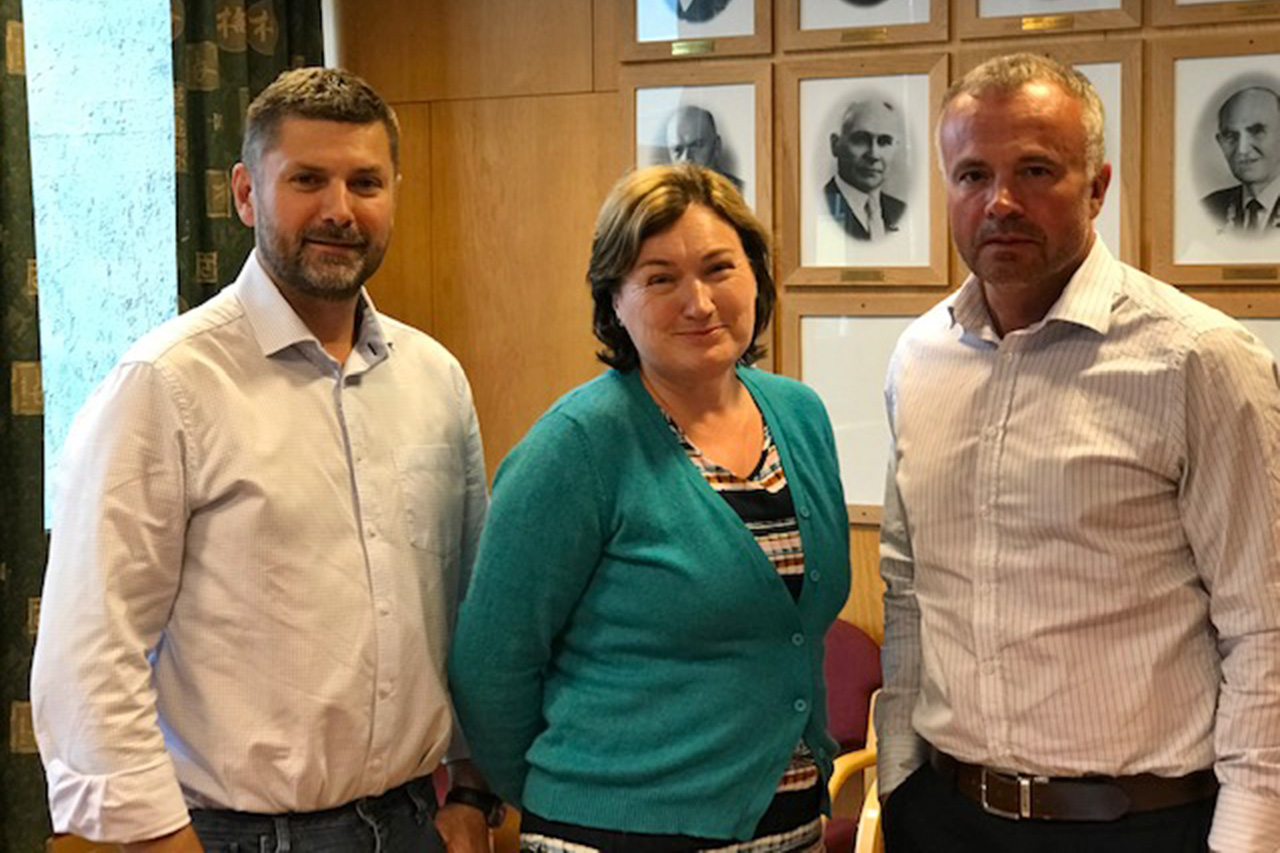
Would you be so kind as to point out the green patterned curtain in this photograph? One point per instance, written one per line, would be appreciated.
(23, 821)
(224, 53)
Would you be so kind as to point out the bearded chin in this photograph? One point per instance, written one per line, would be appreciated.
(335, 281)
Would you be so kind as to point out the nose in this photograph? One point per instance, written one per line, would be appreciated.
(1003, 203)
(336, 204)
(699, 302)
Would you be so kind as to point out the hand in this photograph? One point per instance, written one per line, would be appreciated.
(463, 829)
(184, 840)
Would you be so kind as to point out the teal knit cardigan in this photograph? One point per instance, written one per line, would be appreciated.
(626, 656)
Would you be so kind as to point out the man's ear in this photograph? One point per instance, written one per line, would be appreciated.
(242, 192)
(1098, 188)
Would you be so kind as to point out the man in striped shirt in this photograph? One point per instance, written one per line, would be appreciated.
(1081, 536)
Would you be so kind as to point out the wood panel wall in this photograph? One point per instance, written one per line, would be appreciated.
(512, 135)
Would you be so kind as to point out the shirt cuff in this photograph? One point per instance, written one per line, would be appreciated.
(120, 808)
(1245, 822)
(897, 759)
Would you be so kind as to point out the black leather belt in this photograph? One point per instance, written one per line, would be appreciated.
(1018, 796)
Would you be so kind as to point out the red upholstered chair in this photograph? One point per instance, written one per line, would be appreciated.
(853, 676)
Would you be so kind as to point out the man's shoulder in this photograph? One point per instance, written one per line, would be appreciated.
(1219, 201)
(410, 341)
(1161, 302)
(172, 340)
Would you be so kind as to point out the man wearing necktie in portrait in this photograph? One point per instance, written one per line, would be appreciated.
(1249, 136)
(866, 149)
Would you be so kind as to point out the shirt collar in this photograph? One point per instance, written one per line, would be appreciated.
(856, 198)
(1270, 193)
(1085, 301)
(277, 327)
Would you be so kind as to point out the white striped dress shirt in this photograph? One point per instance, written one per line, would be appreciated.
(1081, 544)
(256, 560)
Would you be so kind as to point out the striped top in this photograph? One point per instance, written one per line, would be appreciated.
(1080, 544)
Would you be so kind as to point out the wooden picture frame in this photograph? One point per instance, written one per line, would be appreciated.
(1043, 17)
(1197, 233)
(1114, 66)
(820, 244)
(735, 31)
(715, 98)
(860, 26)
(1171, 13)
(852, 392)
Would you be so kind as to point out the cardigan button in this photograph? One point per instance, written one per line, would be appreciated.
(797, 639)
(801, 706)
(804, 512)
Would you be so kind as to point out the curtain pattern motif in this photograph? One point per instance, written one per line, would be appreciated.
(224, 53)
(23, 821)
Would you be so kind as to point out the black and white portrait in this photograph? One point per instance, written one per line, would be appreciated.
(669, 20)
(713, 126)
(1249, 136)
(1227, 159)
(847, 14)
(864, 171)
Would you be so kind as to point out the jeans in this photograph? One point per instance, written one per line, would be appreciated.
(399, 821)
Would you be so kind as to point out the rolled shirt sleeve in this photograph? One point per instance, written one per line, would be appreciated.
(114, 568)
(1231, 510)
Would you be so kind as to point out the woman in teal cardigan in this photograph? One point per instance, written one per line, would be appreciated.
(638, 661)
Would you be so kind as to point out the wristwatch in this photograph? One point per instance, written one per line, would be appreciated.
(489, 804)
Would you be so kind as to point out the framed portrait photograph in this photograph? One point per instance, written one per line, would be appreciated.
(1172, 13)
(863, 201)
(984, 18)
(666, 29)
(1114, 67)
(1215, 161)
(720, 117)
(840, 346)
(819, 24)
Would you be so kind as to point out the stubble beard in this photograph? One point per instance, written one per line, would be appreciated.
(327, 277)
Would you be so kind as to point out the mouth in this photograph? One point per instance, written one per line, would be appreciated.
(700, 333)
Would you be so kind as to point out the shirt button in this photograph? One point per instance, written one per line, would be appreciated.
(797, 639)
(989, 433)
(383, 607)
(372, 534)
(985, 510)
(801, 705)
(384, 691)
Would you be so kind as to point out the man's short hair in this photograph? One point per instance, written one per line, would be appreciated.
(1007, 74)
(323, 94)
(647, 202)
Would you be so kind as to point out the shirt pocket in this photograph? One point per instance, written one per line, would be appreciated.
(433, 490)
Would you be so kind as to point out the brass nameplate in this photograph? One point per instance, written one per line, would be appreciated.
(868, 34)
(862, 275)
(26, 389)
(15, 57)
(1249, 273)
(33, 280)
(33, 616)
(1048, 22)
(1254, 9)
(693, 47)
(22, 735)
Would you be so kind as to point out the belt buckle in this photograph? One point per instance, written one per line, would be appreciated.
(1024, 797)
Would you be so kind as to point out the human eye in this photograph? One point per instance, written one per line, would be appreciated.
(968, 177)
(367, 184)
(306, 180)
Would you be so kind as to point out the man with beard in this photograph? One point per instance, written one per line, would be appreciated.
(866, 149)
(1249, 136)
(266, 516)
(1080, 541)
